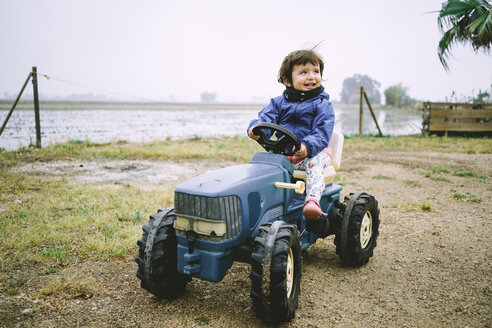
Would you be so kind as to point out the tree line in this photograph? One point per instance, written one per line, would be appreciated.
(395, 95)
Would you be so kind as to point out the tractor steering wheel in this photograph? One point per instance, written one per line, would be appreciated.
(286, 144)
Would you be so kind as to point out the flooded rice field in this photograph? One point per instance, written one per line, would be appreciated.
(145, 122)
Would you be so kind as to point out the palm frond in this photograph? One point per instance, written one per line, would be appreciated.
(447, 40)
(465, 21)
(481, 29)
(458, 8)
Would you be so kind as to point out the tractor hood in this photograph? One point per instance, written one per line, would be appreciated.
(259, 174)
(230, 180)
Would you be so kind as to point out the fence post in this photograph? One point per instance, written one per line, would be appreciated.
(36, 106)
(425, 119)
(372, 113)
(15, 104)
(360, 110)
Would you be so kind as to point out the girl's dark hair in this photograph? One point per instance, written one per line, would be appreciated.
(298, 57)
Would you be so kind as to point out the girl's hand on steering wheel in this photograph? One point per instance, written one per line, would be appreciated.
(301, 153)
(252, 135)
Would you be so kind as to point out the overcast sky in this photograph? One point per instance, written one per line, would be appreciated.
(175, 50)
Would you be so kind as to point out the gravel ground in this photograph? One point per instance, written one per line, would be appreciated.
(431, 268)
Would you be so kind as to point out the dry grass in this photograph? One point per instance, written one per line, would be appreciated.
(228, 148)
(70, 285)
(417, 143)
(235, 149)
(51, 222)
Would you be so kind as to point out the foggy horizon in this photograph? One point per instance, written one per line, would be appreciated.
(173, 52)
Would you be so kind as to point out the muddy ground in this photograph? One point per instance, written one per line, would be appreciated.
(432, 266)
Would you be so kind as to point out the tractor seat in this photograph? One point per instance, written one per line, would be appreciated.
(336, 145)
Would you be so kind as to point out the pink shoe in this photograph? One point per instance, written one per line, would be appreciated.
(312, 210)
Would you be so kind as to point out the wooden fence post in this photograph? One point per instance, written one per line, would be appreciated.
(363, 94)
(360, 110)
(372, 113)
(425, 119)
(36, 106)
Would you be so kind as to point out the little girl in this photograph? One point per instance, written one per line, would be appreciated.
(305, 110)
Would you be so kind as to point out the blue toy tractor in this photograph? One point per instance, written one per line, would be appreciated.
(253, 213)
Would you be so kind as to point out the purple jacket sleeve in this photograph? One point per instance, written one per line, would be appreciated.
(323, 124)
(268, 114)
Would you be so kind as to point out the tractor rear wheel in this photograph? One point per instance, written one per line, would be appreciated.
(276, 273)
(356, 238)
(157, 257)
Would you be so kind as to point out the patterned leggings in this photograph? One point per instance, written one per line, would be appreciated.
(315, 181)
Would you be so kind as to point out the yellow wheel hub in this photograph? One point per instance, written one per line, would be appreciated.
(366, 229)
(289, 277)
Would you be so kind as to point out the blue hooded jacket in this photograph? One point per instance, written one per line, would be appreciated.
(312, 121)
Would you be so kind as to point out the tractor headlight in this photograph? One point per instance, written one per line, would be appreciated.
(182, 223)
(210, 228)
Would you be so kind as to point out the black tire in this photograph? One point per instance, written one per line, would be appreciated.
(356, 237)
(157, 257)
(276, 277)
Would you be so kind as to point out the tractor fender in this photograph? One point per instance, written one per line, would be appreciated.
(272, 235)
(269, 241)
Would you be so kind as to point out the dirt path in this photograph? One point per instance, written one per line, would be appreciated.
(432, 266)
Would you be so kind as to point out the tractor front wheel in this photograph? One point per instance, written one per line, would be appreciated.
(276, 273)
(157, 257)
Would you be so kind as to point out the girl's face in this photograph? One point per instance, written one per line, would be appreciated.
(305, 77)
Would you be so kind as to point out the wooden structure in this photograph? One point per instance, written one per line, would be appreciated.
(441, 118)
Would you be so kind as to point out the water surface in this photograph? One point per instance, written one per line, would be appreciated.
(145, 122)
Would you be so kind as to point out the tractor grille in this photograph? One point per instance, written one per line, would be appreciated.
(221, 209)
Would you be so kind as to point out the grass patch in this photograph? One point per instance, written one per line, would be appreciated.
(426, 207)
(48, 270)
(133, 218)
(470, 175)
(382, 177)
(13, 286)
(413, 206)
(53, 222)
(410, 206)
(61, 256)
(342, 180)
(411, 182)
(202, 321)
(436, 174)
(226, 148)
(419, 143)
(437, 170)
(71, 286)
(466, 196)
(440, 177)
(426, 174)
